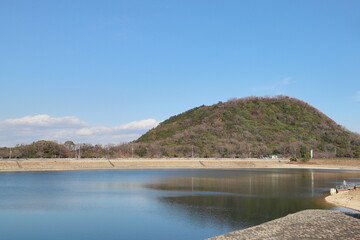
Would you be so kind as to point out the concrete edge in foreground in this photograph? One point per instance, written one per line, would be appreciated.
(307, 224)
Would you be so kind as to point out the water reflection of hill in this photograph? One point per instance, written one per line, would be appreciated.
(237, 212)
(274, 183)
(238, 199)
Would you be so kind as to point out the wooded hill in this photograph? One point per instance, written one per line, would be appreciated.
(246, 127)
(250, 127)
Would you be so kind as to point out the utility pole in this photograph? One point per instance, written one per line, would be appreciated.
(78, 153)
(10, 153)
(132, 150)
(192, 151)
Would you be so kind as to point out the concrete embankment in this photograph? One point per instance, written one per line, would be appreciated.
(84, 164)
(349, 199)
(54, 164)
(308, 224)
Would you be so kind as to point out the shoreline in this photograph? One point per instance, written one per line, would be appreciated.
(70, 164)
(349, 199)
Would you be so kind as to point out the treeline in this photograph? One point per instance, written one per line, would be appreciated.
(51, 149)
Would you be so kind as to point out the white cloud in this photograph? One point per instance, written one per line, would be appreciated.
(357, 97)
(286, 81)
(43, 120)
(144, 124)
(276, 87)
(44, 127)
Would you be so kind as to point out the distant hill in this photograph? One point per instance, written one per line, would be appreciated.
(250, 127)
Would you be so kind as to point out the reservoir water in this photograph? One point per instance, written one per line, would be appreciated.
(155, 204)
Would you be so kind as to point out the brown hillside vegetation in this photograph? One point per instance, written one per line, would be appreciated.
(250, 127)
(238, 128)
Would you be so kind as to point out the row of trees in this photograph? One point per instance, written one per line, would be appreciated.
(50, 149)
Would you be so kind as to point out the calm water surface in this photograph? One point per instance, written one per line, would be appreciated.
(155, 204)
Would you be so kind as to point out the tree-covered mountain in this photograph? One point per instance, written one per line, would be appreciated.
(247, 127)
(250, 127)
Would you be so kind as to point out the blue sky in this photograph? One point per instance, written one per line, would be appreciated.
(107, 64)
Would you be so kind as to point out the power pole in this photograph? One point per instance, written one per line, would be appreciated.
(79, 154)
(132, 150)
(10, 153)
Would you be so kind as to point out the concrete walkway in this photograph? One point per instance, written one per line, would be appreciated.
(308, 224)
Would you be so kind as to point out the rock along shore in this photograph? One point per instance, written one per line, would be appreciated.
(307, 224)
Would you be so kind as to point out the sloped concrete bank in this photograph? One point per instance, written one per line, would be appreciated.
(7, 165)
(86, 164)
(307, 224)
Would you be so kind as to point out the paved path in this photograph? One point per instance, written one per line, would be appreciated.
(308, 224)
